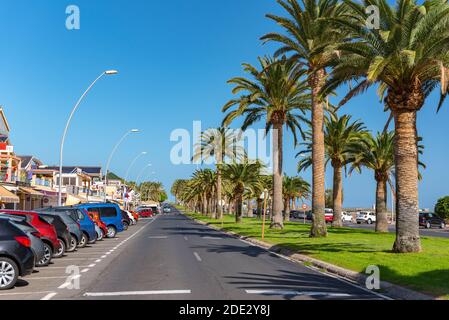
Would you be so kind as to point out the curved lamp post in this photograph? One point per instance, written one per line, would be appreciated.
(141, 172)
(112, 154)
(132, 164)
(61, 150)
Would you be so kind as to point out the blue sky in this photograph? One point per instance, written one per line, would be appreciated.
(174, 60)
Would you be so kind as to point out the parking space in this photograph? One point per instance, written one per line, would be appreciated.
(66, 275)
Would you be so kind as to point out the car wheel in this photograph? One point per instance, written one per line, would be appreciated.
(73, 244)
(9, 272)
(125, 225)
(428, 225)
(442, 225)
(62, 249)
(370, 221)
(83, 241)
(48, 254)
(111, 232)
(100, 235)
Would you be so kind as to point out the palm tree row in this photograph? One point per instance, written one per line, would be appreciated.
(327, 44)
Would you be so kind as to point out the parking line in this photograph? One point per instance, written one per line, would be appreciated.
(49, 296)
(46, 278)
(84, 270)
(65, 267)
(197, 256)
(23, 293)
(136, 293)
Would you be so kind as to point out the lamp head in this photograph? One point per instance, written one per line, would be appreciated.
(111, 72)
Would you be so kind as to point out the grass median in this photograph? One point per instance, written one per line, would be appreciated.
(356, 249)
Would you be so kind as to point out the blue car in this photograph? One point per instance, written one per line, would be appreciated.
(110, 214)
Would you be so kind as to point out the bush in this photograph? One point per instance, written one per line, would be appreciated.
(442, 207)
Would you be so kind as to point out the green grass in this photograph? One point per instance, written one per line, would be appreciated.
(356, 249)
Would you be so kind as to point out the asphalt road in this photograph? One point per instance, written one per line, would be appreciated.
(440, 233)
(172, 257)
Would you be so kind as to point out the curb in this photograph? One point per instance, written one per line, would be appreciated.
(391, 290)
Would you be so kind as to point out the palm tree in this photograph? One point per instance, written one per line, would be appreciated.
(340, 136)
(407, 57)
(219, 144)
(177, 188)
(276, 93)
(242, 176)
(310, 38)
(293, 187)
(377, 154)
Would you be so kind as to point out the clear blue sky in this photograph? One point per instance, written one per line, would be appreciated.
(174, 59)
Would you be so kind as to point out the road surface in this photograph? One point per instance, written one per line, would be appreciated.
(172, 257)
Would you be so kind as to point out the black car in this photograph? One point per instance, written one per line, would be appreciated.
(429, 220)
(16, 255)
(62, 231)
(126, 221)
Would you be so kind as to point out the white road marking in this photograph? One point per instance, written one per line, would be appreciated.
(45, 278)
(84, 270)
(47, 268)
(23, 293)
(102, 257)
(49, 296)
(69, 281)
(197, 256)
(296, 293)
(98, 260)
(185, 238)
(136, 293)
(91, 265)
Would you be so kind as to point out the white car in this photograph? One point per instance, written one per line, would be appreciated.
(346, 217)
(366, 217)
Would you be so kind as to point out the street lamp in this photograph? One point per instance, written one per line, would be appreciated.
(61, 150)
(141, 172)
(112, 154)
(132, 164)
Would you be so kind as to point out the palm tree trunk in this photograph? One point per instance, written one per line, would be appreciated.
(287, 210)
(277, 219)
(219, 204)
(318, 229)
(238, 209)
(337, 197)
(204, 205)
(294, 203)
(381, 206)
(406, 167)
(250, 209)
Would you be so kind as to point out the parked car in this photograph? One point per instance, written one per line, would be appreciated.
(346, 217)
(62, 231)
(16, 256)
(126, 221)
(100, 227)
(366, 217)
(131, 217)
(135, 215)
(73, 226)
(110, 214)
(429, 220)
(48, 234)
(146, 213)
(21, 222)
(297, 214)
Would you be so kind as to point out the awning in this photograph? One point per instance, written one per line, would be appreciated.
(74, 200)
(8, 197)
(30, 191)
(49, 192)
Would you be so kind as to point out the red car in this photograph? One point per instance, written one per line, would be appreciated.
(95, 217)
(329, 217)
(146, 213)
(48, 234)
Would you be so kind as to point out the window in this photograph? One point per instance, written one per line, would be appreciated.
(107, 212)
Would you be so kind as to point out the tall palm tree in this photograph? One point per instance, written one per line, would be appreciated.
(293, 187)
(377, 154)
(242, 176)
(407, 57)
(310, 38)
(177, 188)
(276, 93)
(340, 136)
(219, 144)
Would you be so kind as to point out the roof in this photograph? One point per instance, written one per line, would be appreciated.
(27, 160)
(73, 169)
(30, 191)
